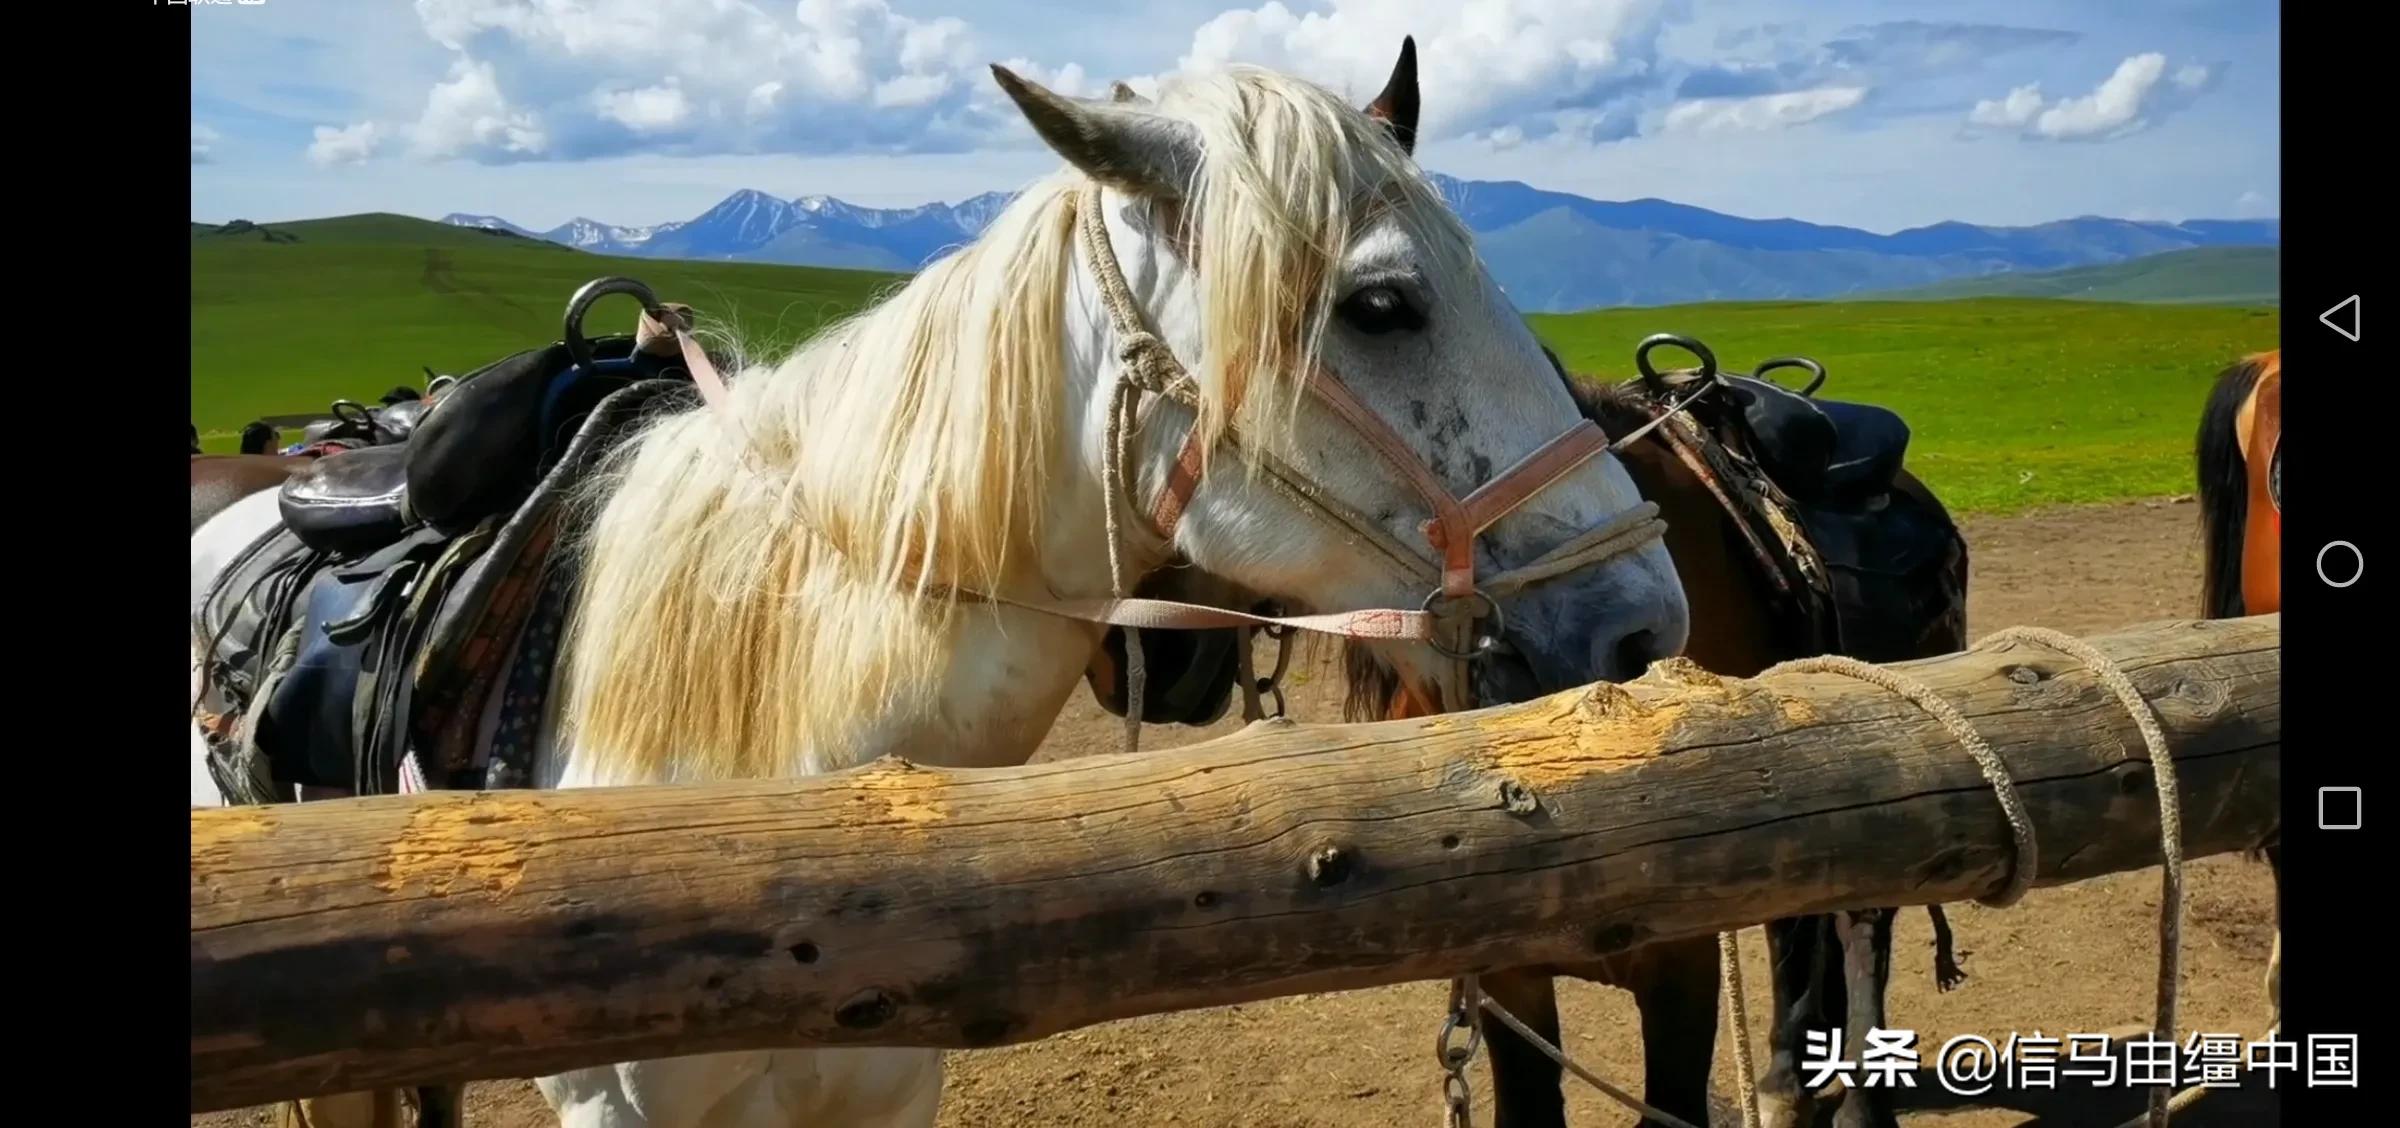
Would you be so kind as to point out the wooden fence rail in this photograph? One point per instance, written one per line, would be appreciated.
(366, 943)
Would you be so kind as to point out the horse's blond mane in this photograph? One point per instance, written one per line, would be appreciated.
(757, 619)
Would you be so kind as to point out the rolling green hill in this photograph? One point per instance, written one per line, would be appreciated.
(2014, 402)
(2011, 402)
(2216, 275)
(357, 304)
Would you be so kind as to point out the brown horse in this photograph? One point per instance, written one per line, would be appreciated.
(1828, 971)
(219, 480)
(2240, 456)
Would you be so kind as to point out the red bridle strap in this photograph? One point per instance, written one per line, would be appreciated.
(1451, 533)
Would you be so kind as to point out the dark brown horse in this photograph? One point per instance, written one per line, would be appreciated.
(219, 480)
(2240, 457)
(1737, 630)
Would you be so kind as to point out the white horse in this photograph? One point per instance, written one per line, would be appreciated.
(776, 592)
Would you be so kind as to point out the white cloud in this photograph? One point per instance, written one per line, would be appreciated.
(2016, 111)
(466, 115)
(650, 109)
(349, 144)
(580, 79)
(577, 80)
(2132, 98)
(911, 90)
(763, 97)
(203, 139)
(1766, 111)
(2116, 105)
(1483, 64)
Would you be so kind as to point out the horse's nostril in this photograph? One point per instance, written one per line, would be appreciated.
(1635, 652)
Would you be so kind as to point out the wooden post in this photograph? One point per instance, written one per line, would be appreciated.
(360, 944)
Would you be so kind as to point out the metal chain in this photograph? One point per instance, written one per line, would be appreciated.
(1465, 1011)
(1272, 684)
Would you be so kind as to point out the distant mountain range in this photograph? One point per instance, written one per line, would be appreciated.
(2216, 275)
(752, 226)
(1552, 251)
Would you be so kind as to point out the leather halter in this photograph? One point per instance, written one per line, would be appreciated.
(1450, 535)
(1456, 522)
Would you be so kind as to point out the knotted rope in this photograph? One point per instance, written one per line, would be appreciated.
(2022, 867)
(1145, 364)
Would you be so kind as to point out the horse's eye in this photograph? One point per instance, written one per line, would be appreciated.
(1379, 309)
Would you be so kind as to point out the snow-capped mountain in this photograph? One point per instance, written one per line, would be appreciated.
(1550, 250)
(606, 238)
(580, 233)
(462, 219)
(750, 225)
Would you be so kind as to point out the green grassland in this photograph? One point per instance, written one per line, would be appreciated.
(2014, 402)
(359, 304)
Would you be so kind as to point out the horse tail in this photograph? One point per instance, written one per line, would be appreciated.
(2224, 490)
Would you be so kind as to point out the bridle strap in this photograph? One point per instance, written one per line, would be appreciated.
(1146, 614)
(1449, 533)
(1148, 365)
(1134, 613)
(1183, 480)
(1531, 475)
(1455, 524)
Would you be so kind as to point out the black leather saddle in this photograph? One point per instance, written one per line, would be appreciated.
(1816, 450)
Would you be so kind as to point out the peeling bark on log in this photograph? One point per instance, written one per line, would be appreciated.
(359, 944)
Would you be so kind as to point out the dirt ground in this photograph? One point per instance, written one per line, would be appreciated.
(2067, 960)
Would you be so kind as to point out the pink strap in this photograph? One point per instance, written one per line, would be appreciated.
(712, 386)
(1138, 613)
(1449, 532)
(1165, 614)
(1533, 474)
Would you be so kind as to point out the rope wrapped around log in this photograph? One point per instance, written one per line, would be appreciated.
(391, 941)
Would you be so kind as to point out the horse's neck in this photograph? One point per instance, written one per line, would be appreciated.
(1009, 671)
(1733, 618)
(1008, 675)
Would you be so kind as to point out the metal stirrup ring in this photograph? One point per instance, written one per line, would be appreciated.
(1482, 645)
(579, 348)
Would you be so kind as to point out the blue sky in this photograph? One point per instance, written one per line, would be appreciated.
(1879, 115)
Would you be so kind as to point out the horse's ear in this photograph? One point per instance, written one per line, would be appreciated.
(1396, 107)
(1117, 144)
(1120, 92)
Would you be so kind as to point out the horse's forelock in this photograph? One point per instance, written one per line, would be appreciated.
(1293, 175)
